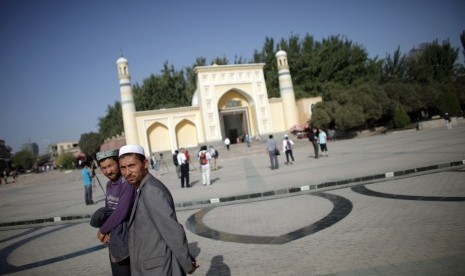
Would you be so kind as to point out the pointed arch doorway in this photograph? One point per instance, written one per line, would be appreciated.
(234, 116)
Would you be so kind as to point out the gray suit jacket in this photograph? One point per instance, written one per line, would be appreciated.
(157, 242)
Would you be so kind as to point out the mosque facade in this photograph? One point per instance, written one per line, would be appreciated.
(230, 101)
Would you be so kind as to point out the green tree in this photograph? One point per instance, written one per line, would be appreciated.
(220, 61)
(394, 68)
(349, 117)
(448, 102)
(65, 161)
(401, 118)
(162, 91)
(112, 123)
(191, 77)
(90, 143)
(270, 69)
(432, 62)
(405, 94)
(23, 160)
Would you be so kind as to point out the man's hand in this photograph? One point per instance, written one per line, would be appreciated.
(100, 236)
(103, 238)
(106, 239)
(195, 266)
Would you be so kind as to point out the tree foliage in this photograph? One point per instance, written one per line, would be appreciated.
(65, 161)
(401, 118)
(23, 160)
(112, 123)
(90, 143)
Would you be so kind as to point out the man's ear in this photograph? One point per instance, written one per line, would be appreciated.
(146, 164)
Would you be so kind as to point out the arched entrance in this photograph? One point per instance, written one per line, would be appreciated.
(158, 136)
(234, 112)
(186, 134)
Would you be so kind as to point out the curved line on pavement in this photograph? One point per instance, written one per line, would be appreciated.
(341, 208)
(6, 267)
(362, 189)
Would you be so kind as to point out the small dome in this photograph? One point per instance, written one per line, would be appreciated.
(121, 60)
(281, 53)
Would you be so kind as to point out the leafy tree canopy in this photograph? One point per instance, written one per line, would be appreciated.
(90, 143)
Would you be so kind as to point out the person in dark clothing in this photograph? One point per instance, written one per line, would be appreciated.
(118, 205)
(176, 164)
(313, 138)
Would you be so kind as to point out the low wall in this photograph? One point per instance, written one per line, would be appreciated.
(440, 123)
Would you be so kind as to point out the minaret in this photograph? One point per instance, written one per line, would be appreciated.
(127, 102)
(286, 89)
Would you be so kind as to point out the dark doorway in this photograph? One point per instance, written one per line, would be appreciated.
(233, 126)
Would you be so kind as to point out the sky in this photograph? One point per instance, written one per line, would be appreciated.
(58, 57)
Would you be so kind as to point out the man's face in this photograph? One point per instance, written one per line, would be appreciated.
(133, 169)
(110, 169)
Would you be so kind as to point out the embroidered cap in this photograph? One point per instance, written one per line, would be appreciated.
(131, 149)
(105, 154)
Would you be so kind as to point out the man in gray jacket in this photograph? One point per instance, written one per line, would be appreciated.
(157, 242)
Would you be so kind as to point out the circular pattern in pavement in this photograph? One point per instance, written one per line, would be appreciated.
(362, 189)
(341, 208)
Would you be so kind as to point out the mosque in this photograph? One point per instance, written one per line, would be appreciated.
(230, 101)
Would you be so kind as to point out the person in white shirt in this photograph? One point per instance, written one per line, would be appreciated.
(227, 142)
(204, 160)
(182, 161)
(287, 146)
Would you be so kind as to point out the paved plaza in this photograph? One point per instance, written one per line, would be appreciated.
(389, 204)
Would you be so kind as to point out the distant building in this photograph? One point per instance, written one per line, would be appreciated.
(31, 147)
(63, 147)
(5, 155)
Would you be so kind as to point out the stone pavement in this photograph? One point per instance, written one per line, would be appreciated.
(383, 205)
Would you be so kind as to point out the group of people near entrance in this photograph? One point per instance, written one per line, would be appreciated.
(139, 221)
(206, 157)
(317, 137)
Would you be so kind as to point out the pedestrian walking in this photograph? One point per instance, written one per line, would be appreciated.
(273, 152)
(5, 176)
(247, 140)
(227, 142)
(448, 121)
(313, 138)
(214, 156)
(204, 157)
(87, 181)
(182, 161)
(323, 143)
(176, 164)
(288, 144)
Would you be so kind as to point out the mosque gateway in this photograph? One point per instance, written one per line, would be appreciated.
(230, 101)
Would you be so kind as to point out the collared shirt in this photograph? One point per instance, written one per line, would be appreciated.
(181, 158)
(271, 144)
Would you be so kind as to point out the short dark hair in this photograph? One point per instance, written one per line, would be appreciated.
(271, 136)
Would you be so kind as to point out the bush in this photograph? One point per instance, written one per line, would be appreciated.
(401, 118)
(65, 161)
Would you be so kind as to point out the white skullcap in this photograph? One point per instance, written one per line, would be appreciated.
(131, 149)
